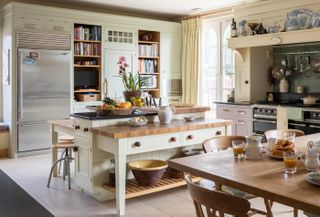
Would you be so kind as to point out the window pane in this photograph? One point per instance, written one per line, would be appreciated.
(208, 90)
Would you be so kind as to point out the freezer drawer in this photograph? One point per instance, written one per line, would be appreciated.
(32, 137)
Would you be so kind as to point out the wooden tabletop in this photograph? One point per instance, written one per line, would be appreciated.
(67, 123)
(126, 131)
(264, 178)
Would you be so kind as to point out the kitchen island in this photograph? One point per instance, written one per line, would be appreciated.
(100, 141)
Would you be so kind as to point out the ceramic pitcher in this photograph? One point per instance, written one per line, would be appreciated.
(253, 147)
(165, 114)
(311, 160)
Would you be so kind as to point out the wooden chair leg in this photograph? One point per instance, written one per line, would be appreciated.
(295, 212)
(271, 203)
(268, 207)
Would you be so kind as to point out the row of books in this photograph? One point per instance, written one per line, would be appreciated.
(87, 49)
(148, 50)
(87, 33)
(148, 66)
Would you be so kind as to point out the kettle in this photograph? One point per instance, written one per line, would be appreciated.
(311, 161)
(253, 147)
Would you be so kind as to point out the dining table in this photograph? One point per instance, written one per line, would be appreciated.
(264, 178)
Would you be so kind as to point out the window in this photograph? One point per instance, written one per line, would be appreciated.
(217, 62)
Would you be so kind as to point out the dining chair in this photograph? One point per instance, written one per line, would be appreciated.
(222, 143)
(279, 134)
(216, 201)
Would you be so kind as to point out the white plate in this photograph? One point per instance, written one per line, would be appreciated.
(313, 178)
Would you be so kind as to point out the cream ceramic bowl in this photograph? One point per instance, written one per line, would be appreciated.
(148, 172)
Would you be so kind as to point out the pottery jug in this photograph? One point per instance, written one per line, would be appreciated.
(253, 148)
(165, 114)
(284, 86)
(314, 146)
(311, 161)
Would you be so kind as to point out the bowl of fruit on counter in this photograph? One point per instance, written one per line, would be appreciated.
(113, 107)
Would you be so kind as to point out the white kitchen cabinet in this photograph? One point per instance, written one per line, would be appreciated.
(241, 115)
(251, 73)
(83, 174)
(57, 26)
(29, 23)
(120, 38)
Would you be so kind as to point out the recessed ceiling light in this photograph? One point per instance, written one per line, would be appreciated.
(195, 9)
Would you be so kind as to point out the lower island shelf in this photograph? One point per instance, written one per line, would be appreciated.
(133, 189)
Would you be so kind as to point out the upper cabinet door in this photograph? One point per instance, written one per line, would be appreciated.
(170, 52)
(57, 26)
(115, 85)
(120, 38)
(29, 23)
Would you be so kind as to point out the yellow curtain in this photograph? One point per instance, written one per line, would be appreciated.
(191, 32)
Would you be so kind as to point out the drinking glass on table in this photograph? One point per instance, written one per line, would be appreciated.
(290, 160)
(238, 147)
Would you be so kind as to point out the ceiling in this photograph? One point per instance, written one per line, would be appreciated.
(163, 9)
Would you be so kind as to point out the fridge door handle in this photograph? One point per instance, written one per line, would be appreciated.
(20, 80)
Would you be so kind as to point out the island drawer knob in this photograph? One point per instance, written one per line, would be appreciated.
(86, 129)
(77, 127)
(189, 137)
(173, 139)
(136, 144)
(218, 133)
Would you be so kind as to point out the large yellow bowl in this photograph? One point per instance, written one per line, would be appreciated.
(148, 172)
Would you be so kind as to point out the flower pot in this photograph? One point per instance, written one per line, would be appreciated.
(129, 94)
(284, 86)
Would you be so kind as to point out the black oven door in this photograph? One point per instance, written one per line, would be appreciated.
(262, 125)
(313, 128)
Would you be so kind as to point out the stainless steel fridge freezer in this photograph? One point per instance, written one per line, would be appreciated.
(43, 94)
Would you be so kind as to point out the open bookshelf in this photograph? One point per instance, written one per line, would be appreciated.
(87, 61)
(149, 60)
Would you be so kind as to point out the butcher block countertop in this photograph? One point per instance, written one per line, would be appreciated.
(66, 123)
(193, 109)
(117, 132)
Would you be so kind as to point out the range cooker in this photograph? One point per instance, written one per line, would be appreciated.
(265, 118)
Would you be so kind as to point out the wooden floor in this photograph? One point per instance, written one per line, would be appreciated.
(31, 174)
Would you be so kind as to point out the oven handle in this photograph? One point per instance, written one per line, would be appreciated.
(299, 125)
(265, 121)
(314, 126)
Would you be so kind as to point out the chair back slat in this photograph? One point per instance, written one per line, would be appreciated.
(222, 202)
(220, 143)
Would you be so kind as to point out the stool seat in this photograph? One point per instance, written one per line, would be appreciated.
(66, 138)
(63, 145)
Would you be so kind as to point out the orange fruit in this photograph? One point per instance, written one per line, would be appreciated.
(125, 105)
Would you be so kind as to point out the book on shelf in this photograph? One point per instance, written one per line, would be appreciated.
(147, 66)
(148, 50)
(87, 33)
(87, 49)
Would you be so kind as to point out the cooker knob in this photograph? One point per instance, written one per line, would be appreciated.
(314, 115)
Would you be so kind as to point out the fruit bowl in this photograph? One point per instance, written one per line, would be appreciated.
(148, 172)
(111, 111)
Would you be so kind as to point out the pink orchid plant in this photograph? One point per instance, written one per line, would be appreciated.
(131, 82)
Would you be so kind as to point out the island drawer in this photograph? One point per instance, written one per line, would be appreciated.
(229, 111)
(153, 143)
(199, 136)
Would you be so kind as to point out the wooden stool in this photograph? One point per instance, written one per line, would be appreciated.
(64, 139)
(66, 159)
